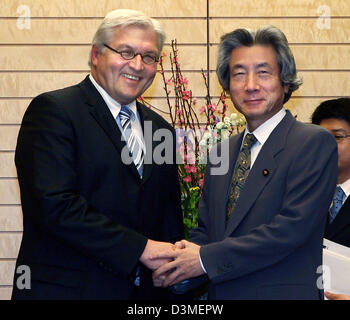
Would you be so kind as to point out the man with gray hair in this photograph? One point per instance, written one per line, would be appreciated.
(94, 210)
(261, 224)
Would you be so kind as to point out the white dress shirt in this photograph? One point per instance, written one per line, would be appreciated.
(346, 188)
(115, 108)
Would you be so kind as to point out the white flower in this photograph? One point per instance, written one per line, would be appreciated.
(227, 121)
(225, 134)
(220, 125)
(207, 136)
(233, 116)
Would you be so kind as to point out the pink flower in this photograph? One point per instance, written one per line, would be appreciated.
(190, 168)
(178, 112)
(188, 179)
(201, 109)
(214, 107)
(186, 95)
(184, 81)
(194, 101)
(201, 182)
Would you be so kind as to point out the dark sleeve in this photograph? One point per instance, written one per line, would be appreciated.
(173, 229)
(46, 166)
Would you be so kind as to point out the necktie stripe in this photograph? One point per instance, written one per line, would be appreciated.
(240, 174)
(133, 143)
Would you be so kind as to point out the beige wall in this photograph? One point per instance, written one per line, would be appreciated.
(53, 52)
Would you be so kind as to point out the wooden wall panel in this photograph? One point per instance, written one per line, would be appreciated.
(7, 166)
(12, 110)
(297, 30)
(304, 107)
(7, 272)
(27, 84)
(5, 292)
(276, 8)
(9, 245)
(69, 31)
(11, 218)
(8, 137)
(88, 8)
(9, 194)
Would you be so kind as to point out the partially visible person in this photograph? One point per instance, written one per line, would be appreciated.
(334, 115)
(93, 209)
(261, 224)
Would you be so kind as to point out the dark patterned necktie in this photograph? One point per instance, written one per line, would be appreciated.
(240, 174)
(338, 198)
(133, 143)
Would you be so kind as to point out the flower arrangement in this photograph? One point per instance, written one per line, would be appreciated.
(198, 127)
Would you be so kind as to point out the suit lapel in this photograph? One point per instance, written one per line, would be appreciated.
(257, 179)
(340, 222)
(101, 113)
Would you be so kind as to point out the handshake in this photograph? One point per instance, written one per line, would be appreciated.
(172, 263)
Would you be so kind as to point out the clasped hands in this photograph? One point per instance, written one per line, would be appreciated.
(172, 263)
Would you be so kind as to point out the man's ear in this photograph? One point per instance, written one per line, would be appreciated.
(94, 54)
(286, 88)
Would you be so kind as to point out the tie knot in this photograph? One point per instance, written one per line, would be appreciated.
(125, 113)
(338, 194)
(249, 140)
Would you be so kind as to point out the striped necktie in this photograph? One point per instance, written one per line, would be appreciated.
(132, 141)
(240, 174)
(338, 198)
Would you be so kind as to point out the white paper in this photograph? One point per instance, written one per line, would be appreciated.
(336, 267)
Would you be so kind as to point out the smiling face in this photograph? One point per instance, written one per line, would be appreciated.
(255, 85)
(125, 80)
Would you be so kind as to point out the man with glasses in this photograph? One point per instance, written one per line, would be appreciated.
(95, 207)
(334, 115)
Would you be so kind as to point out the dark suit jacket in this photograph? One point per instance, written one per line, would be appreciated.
(339, 230)
(86, 214)
(272, 244)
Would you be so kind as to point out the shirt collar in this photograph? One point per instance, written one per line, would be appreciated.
(263, 131)
(112, 104)
(346, 187)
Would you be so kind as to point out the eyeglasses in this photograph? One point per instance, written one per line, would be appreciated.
(129, 55)
(340, 137)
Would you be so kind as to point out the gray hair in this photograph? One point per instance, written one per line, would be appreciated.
(268, 35)
(123, 18)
